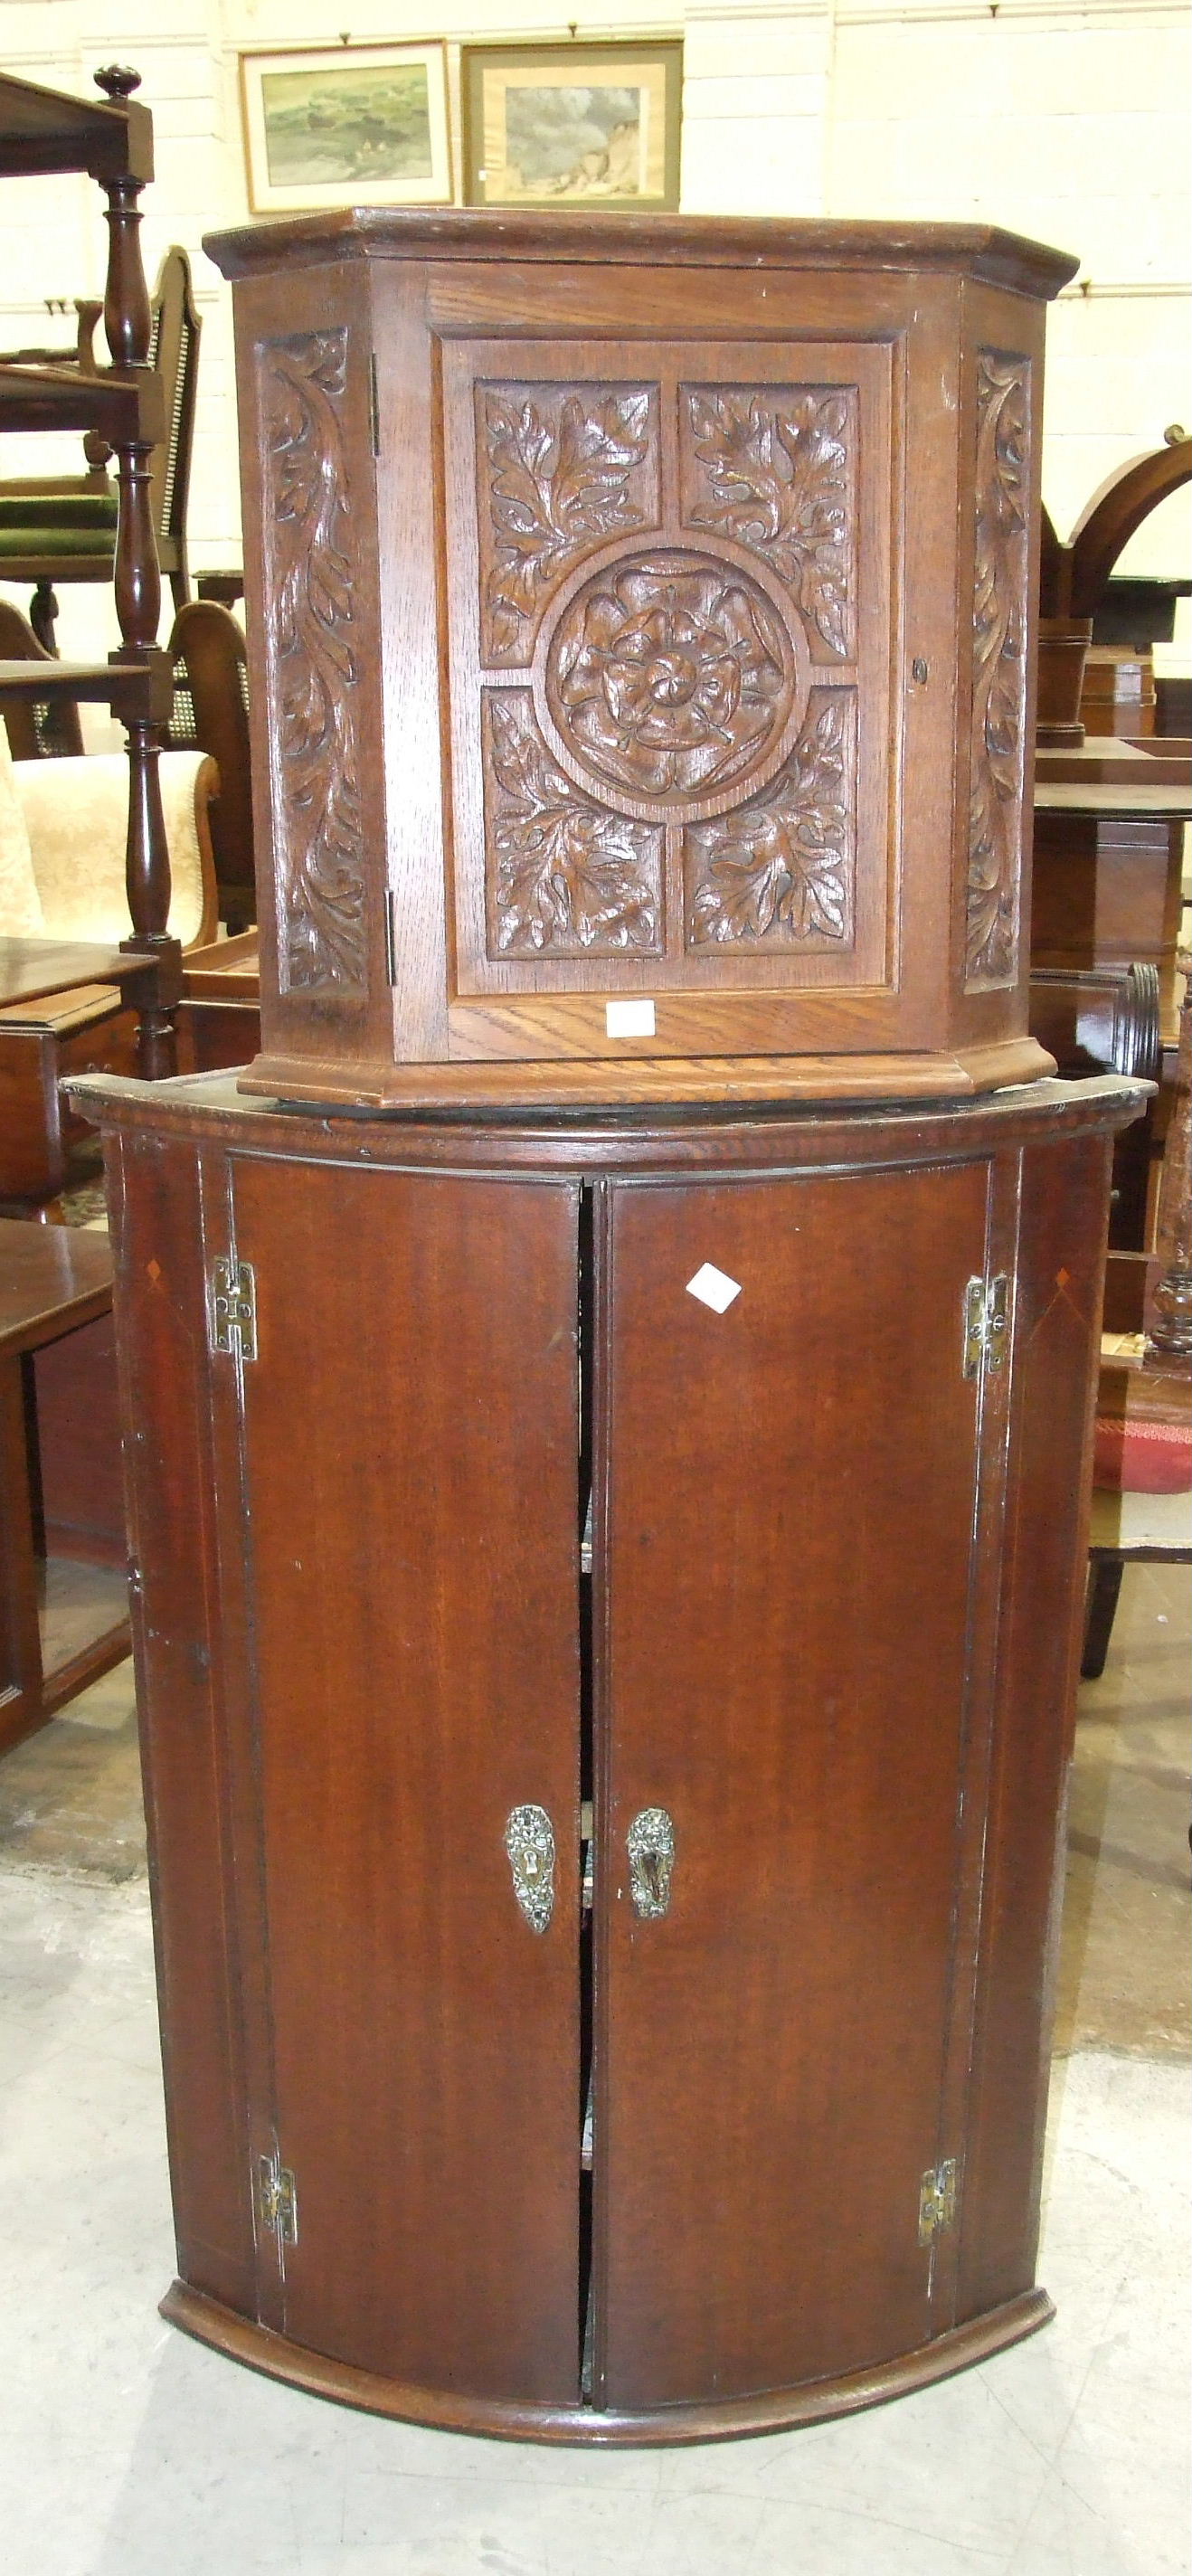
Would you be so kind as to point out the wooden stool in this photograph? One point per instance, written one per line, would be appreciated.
(52, 1280)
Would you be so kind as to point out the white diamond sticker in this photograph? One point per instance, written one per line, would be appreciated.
(713, 1288)
(629, 1019)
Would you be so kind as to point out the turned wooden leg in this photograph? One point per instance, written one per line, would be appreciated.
(43, 615)
(1105, 1583)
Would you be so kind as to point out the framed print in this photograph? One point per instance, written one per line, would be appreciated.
(360, 125)
(572, 125)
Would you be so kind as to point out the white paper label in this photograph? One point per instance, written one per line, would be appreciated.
(629, 1019)
(713, 1288)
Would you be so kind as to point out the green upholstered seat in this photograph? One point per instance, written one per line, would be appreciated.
(31, 517)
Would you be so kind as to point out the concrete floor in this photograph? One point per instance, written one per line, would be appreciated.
(126, 2450)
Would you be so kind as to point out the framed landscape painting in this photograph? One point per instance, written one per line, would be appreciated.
(572, 125)
(361, 125)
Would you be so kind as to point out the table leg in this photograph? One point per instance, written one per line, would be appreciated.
(21, 1702)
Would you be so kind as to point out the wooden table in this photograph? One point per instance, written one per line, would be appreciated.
(53, 1280)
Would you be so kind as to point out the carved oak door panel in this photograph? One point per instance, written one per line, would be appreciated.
(669, 577)
(408, 1460)
(788, 1562)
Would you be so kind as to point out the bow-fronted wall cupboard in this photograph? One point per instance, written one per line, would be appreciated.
(607, 1600)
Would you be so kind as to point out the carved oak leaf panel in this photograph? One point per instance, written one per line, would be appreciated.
(781, 868)
(775, 468)
(562, 469)
(318, 828)
(999, 669)
(565, 877)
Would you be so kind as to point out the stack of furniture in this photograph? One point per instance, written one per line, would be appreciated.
(65, 530)
(1112, 795)
(609, 1393)
(42, 131)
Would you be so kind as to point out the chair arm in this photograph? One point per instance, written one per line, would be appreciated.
(76, 813)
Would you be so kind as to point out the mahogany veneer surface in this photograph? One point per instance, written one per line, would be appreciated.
(830, 1630)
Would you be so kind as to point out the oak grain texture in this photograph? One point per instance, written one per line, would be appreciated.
(615, 596)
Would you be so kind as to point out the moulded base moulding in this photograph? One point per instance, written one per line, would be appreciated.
(731, 2419)
(599, 1082)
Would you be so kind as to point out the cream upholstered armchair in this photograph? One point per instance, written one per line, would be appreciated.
(62, 836)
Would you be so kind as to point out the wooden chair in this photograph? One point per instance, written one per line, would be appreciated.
(1072, 577)
(120, 406)
(1142, 1494)
(64, 529)
(38, 729)
(69, 985)
(211, 714)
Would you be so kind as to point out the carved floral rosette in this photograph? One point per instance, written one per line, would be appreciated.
(314, 674)
(668, 698)
(1000, 571)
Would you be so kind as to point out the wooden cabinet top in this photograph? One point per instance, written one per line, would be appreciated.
(981, 251)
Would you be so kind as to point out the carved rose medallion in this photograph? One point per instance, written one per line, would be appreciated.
(670, 677)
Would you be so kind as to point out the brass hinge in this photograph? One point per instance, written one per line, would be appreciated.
(986, 1323)
(277, 2198)
(232, 1308)
(937, 2200)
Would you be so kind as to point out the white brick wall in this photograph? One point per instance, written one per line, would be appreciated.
(1062, 118)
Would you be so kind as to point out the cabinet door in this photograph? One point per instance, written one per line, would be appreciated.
(669, 569)
(790, 1499)
(408, 1440)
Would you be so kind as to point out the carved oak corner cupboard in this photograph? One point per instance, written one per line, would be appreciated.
(604, 1978)
(641, 619)
(607, 1532)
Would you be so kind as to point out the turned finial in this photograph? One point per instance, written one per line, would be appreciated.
(116, 81)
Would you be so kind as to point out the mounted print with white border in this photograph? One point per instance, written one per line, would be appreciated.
(346, 125)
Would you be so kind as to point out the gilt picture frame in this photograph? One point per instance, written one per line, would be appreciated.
(338, 125)
(594, 126)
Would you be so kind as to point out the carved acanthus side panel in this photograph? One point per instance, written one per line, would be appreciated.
(999, 669)
(561, 469)
(775, 469)
(781, 869)
(565, 876)
(313, 667)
